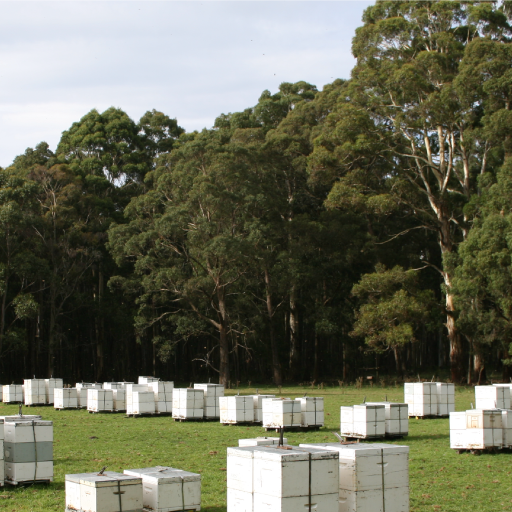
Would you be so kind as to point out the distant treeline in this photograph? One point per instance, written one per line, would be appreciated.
(318, 236)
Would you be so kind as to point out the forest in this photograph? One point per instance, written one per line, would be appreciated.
(320, 236)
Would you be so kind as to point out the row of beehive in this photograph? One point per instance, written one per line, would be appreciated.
(429, 398)
(325, 477)
(31, 392)
(374, 420)
(159, 489)
(27, 449)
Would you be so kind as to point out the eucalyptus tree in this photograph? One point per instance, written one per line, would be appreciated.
(406, 136)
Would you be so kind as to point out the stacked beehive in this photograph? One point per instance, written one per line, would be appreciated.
(81, 396)
(35, 391)
(212, 393)
(50, 385)
(119, 396)
(236, 409)
(397, 418)
(363, 421)
(65, 398)
(506, 420)
(115, 385)
(163, 395)
(279, 412)
(168, 489)
(492, 397)
(140, 399)
(372, 477)
(258, 407)
(107, 492)
(445, 398)
(312, 411)
(421, 397)
(263, 478)
(477, 429)
(187, 404)
(12, 393)
(28, 450)
(100, 400)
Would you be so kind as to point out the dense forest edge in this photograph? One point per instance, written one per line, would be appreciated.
(319, 236)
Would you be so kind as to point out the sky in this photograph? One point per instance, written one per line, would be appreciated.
(192, 60)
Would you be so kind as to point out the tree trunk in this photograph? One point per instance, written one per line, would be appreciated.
(397, 351)
(223, 341)
(294, 336)
(479, 364)
(276, 365)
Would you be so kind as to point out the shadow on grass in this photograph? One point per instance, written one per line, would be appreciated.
(426, 436)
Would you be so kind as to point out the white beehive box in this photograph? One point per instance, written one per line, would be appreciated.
(187, 403)
(363, 421)
(143, 402)
(445, 398)
(109, 492)
(458, 430)
(35, 391)
(100, 400)
(261, 441)
(397, 418)
(147, 380)
(82, 395)
(212, 392)
(484, 429)
(168, 489)
(263, 478)
(163, 395)
(258, 405)
(492, 397)
(373, 477)
(28, 450)
(119, 396)
(12, 393)
(281, 413)
(50, 385)
(130, 389)
(115, 385)
(65, 398)
(236, 409)
(506, 418)
(312, 411)
(421, 397)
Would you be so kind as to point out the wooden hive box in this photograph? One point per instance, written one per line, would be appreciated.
(492, 397)
(261, 441)
(279, 412)
(100, 400)
(50, 385)
(396, 419)
(484, 429)
(130, 389)
(445, 398)
(236, 409)
(147, 380)
(109, 492)
(119, 397)
(187, 403)
(12, 393)
(258, 411)
(421, 397)
(312, 411)
(65, 398)
(458, 430)
(212, 393)
(81, 392)
(163, 395)
(35, 391)
(168, 489)
(28, 450)
(372, 477)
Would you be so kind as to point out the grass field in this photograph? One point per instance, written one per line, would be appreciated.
(440, 479)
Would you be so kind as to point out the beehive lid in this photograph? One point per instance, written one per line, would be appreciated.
(20, 423)
(246, 452)
(28, 417)
(107, 479)
(163, 475)
(293, 453)
(359, 449)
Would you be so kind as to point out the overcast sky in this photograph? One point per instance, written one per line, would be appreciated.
(192, 60)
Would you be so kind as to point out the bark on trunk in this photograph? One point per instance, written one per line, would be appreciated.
(294, 335)
(223, 341)
(276, 365)
(479, 364)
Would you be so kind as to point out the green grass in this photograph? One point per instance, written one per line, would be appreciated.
(440, 479)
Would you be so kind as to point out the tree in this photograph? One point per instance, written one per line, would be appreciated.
(405, 136)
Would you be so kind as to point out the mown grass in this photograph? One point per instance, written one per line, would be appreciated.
(440, 479)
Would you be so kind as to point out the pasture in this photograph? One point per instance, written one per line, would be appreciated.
(440, 479)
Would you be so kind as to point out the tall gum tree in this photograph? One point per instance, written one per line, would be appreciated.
(405, 123)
